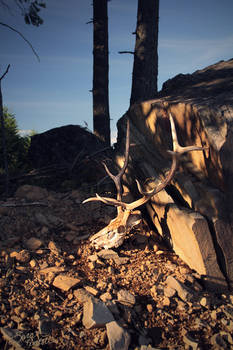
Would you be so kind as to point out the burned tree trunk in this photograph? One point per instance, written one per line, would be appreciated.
(4, 148)
(101, 119)
(145, 68)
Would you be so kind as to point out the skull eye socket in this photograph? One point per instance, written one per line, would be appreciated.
(121, 229)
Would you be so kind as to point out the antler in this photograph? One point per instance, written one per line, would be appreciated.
(113, 235)
(146, 196)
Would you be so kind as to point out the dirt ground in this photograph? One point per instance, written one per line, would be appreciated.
(43, 239)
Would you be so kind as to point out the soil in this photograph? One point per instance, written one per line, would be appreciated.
(53, 233)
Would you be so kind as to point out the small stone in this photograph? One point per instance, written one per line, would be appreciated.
(126, 298)
(111, 270)
(52, 269)
(155, 247)
(213, 315)
(102, 285)
(33, 243)
(64, 282)
(169, 292)
(183, 292)
(120, 260)
(107, 254)
(204, 302)
(180, 305)
(82, 334)
(71, 257)
(143, 267)
(159, 252)
(54, 248)
(21, 269)
(33, 263)
(149, 307)
(106, 296)
(23, 256)
(153, 292)
(166, 301)
(110, 287)
(58, 314)
(82, 295)
(40, 251)
(91, 290)
(23, 315)
(13, 254)
(93, 257)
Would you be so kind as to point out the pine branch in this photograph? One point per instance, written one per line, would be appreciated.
(6, 71)
(130, 52)
(23, 37)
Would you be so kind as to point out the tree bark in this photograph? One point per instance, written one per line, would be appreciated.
(145, 68)
(4, 148)
(101, 118)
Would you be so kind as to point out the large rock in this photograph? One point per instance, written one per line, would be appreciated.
(118, 337)
(96, 314)
(195, 212)
(62, 145)
(68, 151)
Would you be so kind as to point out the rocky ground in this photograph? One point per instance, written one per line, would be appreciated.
(57, 292)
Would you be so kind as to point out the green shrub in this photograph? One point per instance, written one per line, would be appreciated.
(17, 146)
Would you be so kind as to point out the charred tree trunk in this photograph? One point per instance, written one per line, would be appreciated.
(4, 148)
(101, 118)
(145, 68)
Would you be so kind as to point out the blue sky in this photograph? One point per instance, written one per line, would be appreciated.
(55, 91)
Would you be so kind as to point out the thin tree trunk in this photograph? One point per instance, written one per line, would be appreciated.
(145, 68)
(101, 118)
(4, 148)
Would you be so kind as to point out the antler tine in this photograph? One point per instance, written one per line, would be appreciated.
(116, 178)
(106, 200)
(179, 150)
